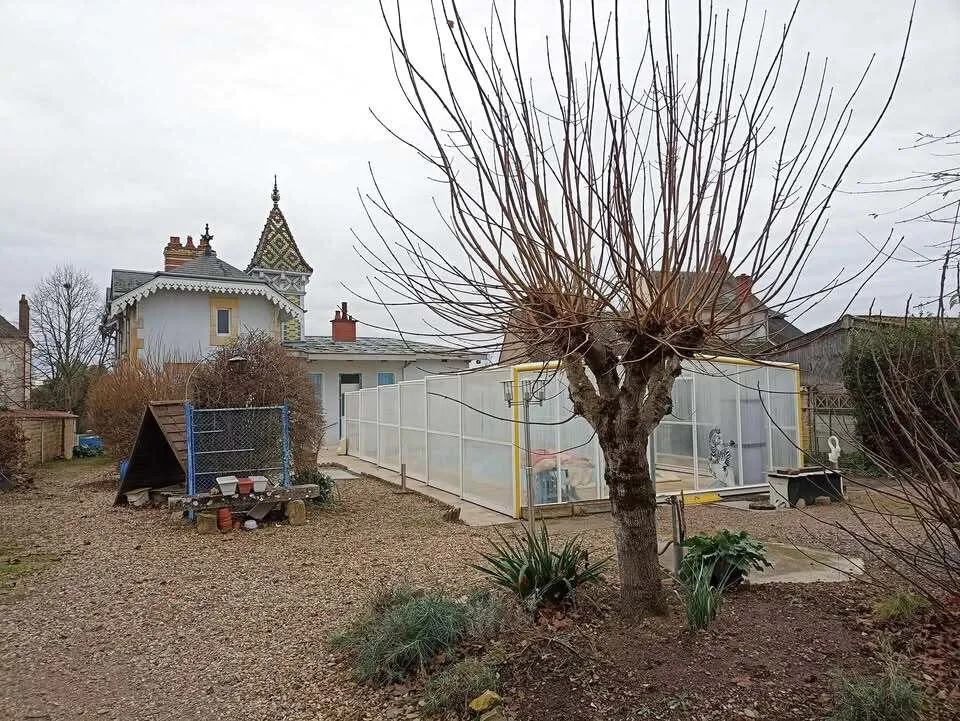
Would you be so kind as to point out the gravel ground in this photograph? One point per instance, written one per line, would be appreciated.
(142, 618)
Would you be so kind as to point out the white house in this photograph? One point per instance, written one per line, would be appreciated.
(199, 302)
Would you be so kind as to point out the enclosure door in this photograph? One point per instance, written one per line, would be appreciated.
(348, 382)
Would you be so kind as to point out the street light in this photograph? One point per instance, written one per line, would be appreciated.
(531, 391)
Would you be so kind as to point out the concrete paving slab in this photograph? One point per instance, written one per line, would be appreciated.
(339, 474)
(797, 564)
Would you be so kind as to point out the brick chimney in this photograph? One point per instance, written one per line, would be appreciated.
(718, 263)
(743, 287)
(174, 254)
(343, 326)
(24, 315)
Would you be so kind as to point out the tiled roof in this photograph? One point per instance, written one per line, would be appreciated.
(8, 329)
(123, 281)
(210, 266)
(277, 250)
(325, 344)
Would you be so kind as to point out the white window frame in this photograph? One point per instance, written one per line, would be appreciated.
(229, 322)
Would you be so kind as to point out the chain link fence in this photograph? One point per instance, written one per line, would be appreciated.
(238, 442)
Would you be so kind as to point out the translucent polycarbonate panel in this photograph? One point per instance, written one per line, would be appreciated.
(443, 404)
(390, 447)
(578, 452)
(754, 443)
(353, 437)
(682, 396)
(674, 445)
(488, 474)
(368, 404)
(351, 405)
(545, 446)
(444, 461)
(413, 404)
(389, 400)
(368, 441)
(486, 415)
(414, 453)
(716, 426)
(784, 401)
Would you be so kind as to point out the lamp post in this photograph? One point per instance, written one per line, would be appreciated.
(531, 391)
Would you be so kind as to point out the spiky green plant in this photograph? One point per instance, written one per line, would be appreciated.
(530, 567)
(701, 598)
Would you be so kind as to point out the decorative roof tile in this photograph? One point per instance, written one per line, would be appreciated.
(277, 250)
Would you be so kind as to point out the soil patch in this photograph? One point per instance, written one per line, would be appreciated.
(767, 656)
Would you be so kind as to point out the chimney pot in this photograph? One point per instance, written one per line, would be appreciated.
(24, 315)
(174, 241)
(189, 241)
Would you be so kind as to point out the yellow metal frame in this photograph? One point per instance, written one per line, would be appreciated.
(696, 497)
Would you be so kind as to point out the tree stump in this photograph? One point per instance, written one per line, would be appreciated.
(296, 513)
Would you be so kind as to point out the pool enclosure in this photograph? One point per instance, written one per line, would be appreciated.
(732, 421)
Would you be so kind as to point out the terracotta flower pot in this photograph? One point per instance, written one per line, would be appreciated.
(224, 519)
(244, 486)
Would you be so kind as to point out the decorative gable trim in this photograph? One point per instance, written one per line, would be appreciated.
(205, 285)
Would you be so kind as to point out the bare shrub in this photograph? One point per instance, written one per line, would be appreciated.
(117, 400)
(13, 454)
(269, 376)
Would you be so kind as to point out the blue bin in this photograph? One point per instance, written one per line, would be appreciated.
(123, 468)
(89, 441)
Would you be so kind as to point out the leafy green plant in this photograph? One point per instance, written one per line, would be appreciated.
(530, 567)
(899, 606)
(728, 556)
(456, 685)
(701, 598)
(890, 696)
(318, 478)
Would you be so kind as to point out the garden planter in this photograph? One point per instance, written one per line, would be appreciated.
(244, 486)
(224, 519)
(228, 485)
(259, 483)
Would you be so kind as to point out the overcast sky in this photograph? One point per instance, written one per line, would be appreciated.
(122, 124)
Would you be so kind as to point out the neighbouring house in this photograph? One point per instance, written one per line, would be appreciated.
(758, 328)
(16, 360)
(199, 302)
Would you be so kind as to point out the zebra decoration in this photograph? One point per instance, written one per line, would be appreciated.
(721, 459)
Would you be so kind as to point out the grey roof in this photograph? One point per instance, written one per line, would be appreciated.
(210, 266)
(8, 329)
(325, 344)
(123, 281)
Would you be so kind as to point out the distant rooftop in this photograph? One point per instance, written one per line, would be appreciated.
(325, 344)
(8, 329)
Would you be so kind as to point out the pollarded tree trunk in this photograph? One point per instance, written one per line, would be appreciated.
(634, 501)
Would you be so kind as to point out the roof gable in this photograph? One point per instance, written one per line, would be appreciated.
(9, 330)
(277, 250)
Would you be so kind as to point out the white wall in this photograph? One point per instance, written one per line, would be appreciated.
(177, 323)
(368, 369)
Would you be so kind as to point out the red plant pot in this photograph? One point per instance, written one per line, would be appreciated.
(244, 486)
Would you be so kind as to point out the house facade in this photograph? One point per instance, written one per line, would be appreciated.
(199, 302)
(16, 360)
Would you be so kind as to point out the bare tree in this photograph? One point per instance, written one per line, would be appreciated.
(601, 214)
(67, 307)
